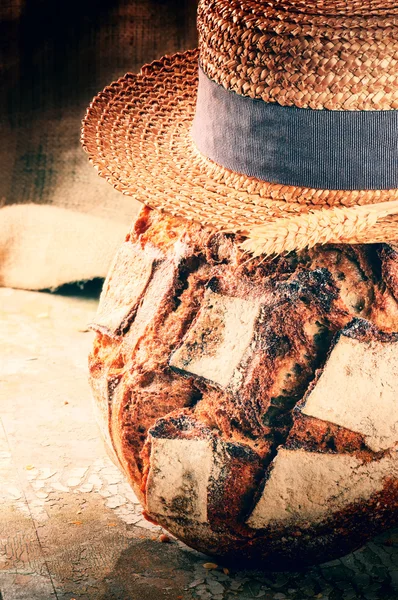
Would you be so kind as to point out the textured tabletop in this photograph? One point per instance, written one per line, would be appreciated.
(70, 527)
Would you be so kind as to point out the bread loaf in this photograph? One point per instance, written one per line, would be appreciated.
(252, 404)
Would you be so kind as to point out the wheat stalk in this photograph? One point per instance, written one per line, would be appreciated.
(321, 226)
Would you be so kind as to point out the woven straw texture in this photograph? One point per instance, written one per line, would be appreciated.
(137, 135)
(343, 57)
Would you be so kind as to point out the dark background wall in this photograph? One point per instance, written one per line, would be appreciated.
(59, 221)
(55, 55)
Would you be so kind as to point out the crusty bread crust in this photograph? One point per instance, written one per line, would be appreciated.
(201, 370)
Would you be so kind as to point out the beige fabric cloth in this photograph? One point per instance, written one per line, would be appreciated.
(59, 221)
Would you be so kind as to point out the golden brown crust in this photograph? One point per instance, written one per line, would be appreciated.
(303, 301)
(389, 259)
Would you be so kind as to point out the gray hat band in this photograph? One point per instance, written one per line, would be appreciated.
(322, 149)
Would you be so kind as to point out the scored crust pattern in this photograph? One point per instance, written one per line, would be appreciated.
(217, 387)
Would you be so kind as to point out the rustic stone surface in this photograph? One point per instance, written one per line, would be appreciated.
(70, 527)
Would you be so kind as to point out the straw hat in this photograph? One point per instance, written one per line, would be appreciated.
(294, 138)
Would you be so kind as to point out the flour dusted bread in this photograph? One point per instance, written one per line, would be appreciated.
(252, 404)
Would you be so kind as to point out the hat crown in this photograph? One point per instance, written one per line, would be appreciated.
(324, 7)
(323, 55)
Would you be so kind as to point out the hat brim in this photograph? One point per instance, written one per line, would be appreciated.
(137, 135)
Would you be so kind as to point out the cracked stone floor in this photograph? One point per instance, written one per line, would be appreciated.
(71, 528)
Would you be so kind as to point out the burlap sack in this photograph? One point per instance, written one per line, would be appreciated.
(59, 221)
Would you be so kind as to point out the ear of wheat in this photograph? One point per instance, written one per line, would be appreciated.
(322, 226)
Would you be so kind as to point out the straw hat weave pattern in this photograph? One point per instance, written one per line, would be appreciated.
(316, 56)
